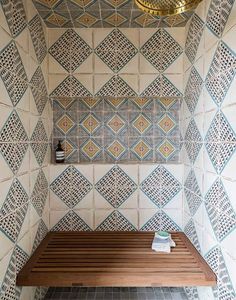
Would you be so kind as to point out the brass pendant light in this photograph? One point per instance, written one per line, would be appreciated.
(166, 7)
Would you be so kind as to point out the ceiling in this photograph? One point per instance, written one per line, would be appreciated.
(102, 13)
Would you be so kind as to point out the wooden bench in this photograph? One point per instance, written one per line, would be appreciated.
(114, 259)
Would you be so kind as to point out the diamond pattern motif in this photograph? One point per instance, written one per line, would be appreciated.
(160, 221)
(221, 73)
(38, 38)
(192, 192)
(191, 233)
(15, 141)
(13, 73)
(70, 50)
(15, 15)
(40, 192)
(193, 89)
(193, 141)
(218, 14)
(39, 142)
(116, 86)
(70, 87)
(220, 142)
(91, 149)
(194, 37)
(216, 261)
(71, 186)
(161, 87)
(40, 234)
(161, 50)
(116, 222)
(116, 50)
(220, 210)
(71, 222)
(116, 186)
(13, 211)
(39, 90)
(160, 186)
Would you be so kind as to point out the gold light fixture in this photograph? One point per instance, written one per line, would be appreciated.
(166, 7)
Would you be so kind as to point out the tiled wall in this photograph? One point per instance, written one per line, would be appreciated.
(116, 197)
(25, 126)
(116, 93)
(209, 133)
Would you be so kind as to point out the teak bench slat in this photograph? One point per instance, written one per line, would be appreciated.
(114, 259)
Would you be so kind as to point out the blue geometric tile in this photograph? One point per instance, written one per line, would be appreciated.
(116, 50)
(161, 50)
(220, 142)
(161, 87)
(70, 50)
(40, 234)
(40, 192)
(116, 86)
(193, 89)
(191, 233)
(191, 292)
(71, 222)
(15, 141)
(218, 14)
(15, 16)
(116, 186)
(160, 186)
(70, 87)
(224, 289)
(116, 222)
(38, 38)
(13, 72)
(192, 192)
(193, 141)
(160, 221)
(220, 210)
(71, 186)
(39, 90)
(221, 73)
(13, 210)
(194, 37)
(39, 142)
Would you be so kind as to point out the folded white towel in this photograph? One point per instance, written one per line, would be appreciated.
(162, 245)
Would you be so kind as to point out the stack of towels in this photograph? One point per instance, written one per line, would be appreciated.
(162, 242)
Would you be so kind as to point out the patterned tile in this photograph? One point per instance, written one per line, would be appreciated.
(71, 186)
(13, 211)
(38, 38)
(116, 123)
(161, 50)
(217, 16)
(166, 123)
(65, 124)
(15, 15)
(221, 73)
(166, 149)
(90, 123)
(116, 86)
(91, 149)
(160, 186)
(116, 186)
(194, 37)
(40, 193)
(70, 50)
(70, 87)
(220, 142)
(161, 87)
(15, 141)
(215, 259)
(193, 141)
(40, 234)
(87, 19)
(142, 123)
(116, 50)
(191, 233)
(141, 149)
(193, 89)
(160, 221)
(220, 210)
(115, 19)
(57, 19)
(39, 142)
(13, 72)
(116, 149)
(39, 90)
(116, 222)
(71, 222)
(192, 192)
